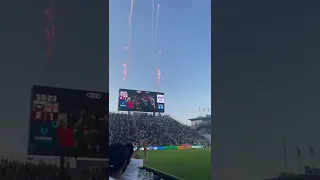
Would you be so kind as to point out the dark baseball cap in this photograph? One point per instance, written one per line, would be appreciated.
(118, 154)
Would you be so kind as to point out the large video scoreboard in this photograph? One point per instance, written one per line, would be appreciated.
(143, 101)
(68, 122)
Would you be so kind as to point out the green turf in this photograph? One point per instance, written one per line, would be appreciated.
(187, 164)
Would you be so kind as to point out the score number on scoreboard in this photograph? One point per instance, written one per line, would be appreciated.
(45, 108)
(123, 95)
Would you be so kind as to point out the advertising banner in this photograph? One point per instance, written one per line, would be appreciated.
(157, 148)
(142, 149)
(135, 148)
(180, 147)
(186, 146)
(170, 147)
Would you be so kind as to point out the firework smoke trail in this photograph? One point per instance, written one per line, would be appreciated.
(156, 35)
(152, 21)
(125, 67)
(155, 41)
(129, 41)
(50, 27)
(130, 19)
(159, 72)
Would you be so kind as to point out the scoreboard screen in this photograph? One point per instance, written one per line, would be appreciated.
(143, 101)
(68, 122)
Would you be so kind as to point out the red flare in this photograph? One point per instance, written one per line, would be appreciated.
(158, 75)
(124, 71)
(50, 27)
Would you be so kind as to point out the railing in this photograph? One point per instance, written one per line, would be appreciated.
(160, 175)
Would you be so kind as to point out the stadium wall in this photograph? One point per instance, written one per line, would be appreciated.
(160, 174)
(156, 148)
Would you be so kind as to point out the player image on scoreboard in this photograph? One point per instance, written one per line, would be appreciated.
(144, 101)
(78, 119)
(84, 132)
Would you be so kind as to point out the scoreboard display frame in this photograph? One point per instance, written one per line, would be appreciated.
(141, 101)
(68, 122)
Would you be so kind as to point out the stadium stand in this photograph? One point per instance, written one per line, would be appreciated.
(124, 128)
(161, 130)
(31, 170)
(48, 169)
(202, 125)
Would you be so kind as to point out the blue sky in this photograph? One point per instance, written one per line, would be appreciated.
(184, 40)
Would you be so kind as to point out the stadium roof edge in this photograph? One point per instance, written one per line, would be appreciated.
(204, 118)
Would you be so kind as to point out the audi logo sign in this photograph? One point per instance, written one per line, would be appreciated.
(92, 95)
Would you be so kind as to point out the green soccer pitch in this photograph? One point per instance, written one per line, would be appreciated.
(187, 164)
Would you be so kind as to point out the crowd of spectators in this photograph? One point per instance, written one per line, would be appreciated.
(160, 130)
(19, 170)
(123, 128)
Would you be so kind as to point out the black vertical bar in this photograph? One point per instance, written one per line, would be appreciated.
(30, 118)
(62, 173)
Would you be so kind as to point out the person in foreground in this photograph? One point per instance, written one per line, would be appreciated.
(118, 154)
(135, 162)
